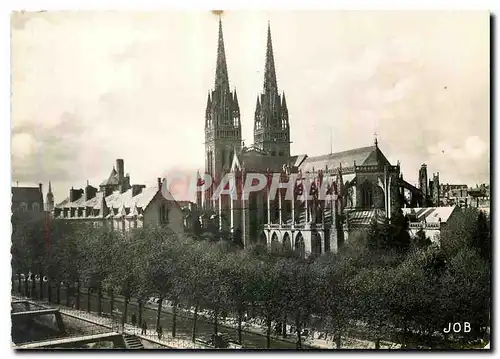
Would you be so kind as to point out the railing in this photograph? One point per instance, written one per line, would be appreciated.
(423, 225)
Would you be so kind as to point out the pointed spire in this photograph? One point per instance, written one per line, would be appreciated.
(257, 106)
(270, 83)
(235, 99)
(50, 187)
(221, 77)
(283, 102)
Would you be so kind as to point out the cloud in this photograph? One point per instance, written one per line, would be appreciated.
(473, 148)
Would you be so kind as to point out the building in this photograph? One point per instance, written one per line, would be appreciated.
(361, 181)
(454, 194)
(27, 199)
(121, 206)
(431, 220)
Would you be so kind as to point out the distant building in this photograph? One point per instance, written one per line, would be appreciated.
(27, 199)
(121, 206)
(454, 194)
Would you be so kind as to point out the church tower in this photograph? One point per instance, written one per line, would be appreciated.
(222, 119)
(50, 199)
(271, 126)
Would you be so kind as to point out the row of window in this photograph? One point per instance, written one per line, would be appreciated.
(23, 206)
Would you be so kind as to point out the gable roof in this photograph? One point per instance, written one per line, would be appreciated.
(27, 194)
(370, 155)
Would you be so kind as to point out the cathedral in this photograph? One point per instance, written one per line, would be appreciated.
(361, 182)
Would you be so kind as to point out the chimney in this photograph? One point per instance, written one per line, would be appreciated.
(40, 186)
(90, 192)
(121, 170)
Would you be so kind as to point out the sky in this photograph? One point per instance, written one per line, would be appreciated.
(91, 87)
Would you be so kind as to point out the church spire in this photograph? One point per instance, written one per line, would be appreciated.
(221, 77)
(50, 187)
(270, 83)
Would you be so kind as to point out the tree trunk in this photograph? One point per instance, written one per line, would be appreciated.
(125, 310)
(67, 294)
(19, 283)
(338, 340)
(174, 318)
(88, 299)
(111, 302)
(283, 329)
(240, 315)
(377, 343)
(299, 332)
(158, 315)
(194, 322)
(268, 331)
(49, 290)
(77, 294)
(58, 293)
(139, 319)
(99, 301)
(26, 290)
(33, 287)
(41, 285)
(216, 321)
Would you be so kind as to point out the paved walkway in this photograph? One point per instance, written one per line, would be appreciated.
(167, 339)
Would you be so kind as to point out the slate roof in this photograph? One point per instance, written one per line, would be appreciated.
(362, 156)
(254, 161)
(431, 214)
(27, 194)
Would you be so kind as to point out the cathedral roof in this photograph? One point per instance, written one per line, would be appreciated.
(255, 161)
(370, 155)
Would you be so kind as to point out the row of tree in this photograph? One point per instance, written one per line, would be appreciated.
(381, 292)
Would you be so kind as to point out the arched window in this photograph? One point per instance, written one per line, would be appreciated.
(300, 246)
(275, 244)
(367, 194)
(287, 246)
(263, 239)
(35, 206)
(23, 206)
(315, 243)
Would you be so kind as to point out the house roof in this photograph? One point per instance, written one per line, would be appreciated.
(26, 194)
(430, 214)
(370, 155)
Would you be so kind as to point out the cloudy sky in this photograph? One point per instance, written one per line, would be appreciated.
(90, 87)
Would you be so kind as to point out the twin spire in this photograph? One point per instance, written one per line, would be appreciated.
(271, 127)
(221, 74)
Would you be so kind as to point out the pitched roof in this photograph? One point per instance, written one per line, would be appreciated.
(430, 214)
(112, 179)
(254, 161)
(362, 156)
(26, 194)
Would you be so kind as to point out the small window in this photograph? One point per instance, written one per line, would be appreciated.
(23, 206)
(35, 206)
(164, 214)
